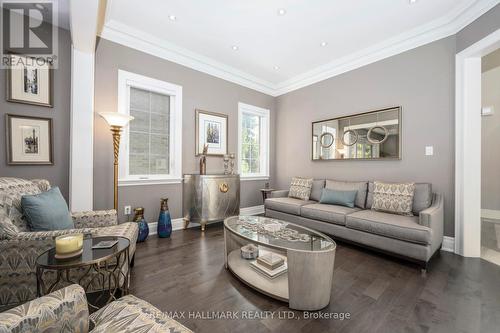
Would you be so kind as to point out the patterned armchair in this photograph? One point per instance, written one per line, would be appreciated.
(66, 310)
(19, 247)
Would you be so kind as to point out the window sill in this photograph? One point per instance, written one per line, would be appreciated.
(139, 182)
(251, 178)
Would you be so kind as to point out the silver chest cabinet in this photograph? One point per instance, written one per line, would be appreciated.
(210, 198)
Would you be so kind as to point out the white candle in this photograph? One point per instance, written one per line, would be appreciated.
(69, 243)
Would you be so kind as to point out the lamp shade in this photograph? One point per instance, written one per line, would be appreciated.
(116, 119)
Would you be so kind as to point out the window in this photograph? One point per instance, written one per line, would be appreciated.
(151, 149)
(253, 141)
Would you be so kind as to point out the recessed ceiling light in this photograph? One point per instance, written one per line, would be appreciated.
(413, 1)
(235, 47)
(276, 67)
(323, 44)
(281, 11)
(172, 17)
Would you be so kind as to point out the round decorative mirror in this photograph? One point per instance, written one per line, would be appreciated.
(375, 130)
(349, 138)
(326, 140)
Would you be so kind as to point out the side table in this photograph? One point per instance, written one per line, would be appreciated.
(266, 192)
(106, 267)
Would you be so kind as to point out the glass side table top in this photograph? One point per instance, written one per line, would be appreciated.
(88, 257)
(277, 233)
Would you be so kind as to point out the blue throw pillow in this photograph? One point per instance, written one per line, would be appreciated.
(47, 211)
(341, 198)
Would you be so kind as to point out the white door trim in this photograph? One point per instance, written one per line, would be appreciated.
(468, 145)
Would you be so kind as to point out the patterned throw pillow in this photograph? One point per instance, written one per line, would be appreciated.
(393, 198)
(300, 188)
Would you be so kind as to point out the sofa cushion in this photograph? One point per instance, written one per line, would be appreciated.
(361, 187)
(422, 199)
(287, 205)
(341, 198)
(317, 188)
(328, 213)
(393, 198)
(400, 227)
(300, 188)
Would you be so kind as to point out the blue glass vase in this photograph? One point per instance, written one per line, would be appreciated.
(164, 220)
(143, 225)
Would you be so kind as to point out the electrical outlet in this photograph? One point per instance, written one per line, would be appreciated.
(127, 210)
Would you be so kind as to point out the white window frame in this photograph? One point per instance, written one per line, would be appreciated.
(126, 80)
(264, 139)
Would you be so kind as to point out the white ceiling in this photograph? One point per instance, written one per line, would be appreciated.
(357, 31)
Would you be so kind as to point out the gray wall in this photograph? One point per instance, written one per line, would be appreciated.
(200, 91)
(490, 137)
(420, 80)
(57, 174)
(480, 28)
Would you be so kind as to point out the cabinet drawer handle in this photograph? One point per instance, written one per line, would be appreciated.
(223, 187)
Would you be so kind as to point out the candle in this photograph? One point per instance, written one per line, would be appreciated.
(67, 244)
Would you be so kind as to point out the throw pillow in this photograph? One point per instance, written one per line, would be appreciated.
(341, 198)
(47, 211)
(393, 198)
(300, 188)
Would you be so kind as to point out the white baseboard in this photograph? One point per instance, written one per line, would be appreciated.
(178, 224)
(490, 214)
(448, 244)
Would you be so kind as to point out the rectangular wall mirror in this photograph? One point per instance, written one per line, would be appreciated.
(366, 136)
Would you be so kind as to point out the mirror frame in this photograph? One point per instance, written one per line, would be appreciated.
(400, 139)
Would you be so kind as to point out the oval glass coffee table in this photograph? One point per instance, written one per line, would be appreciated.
(108, 268)
(309, 257)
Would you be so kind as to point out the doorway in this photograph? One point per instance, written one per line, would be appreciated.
(467, 145)
(490, 157)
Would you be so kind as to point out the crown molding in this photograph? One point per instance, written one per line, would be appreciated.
(443, 27)
(136, 39)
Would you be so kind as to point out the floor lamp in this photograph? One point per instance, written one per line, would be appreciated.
(116, 122)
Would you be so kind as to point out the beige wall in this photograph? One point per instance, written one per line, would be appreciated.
(490, 139)
(420, 80)
(200, 91)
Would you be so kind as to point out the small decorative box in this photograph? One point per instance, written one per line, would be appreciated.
(249, 251)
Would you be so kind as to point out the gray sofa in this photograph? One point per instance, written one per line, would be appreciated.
(414, 238)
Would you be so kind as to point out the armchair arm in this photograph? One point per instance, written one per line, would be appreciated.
(55, 312)
(95, 219)
(279, 194)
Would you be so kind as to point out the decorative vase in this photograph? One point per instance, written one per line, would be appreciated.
(143, 225)
(164, 220)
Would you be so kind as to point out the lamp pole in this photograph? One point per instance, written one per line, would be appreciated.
(116, 122)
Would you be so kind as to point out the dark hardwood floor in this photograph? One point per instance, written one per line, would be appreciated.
(186, 274)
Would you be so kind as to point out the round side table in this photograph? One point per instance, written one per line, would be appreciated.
(106, 266)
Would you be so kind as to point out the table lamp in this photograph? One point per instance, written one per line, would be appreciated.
(116, 122)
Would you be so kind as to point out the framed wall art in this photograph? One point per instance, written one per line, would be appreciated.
(211, 130)
(29, 81)
(29, 140)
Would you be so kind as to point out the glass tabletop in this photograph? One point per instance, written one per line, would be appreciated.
(277, 233)
(88, 256)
